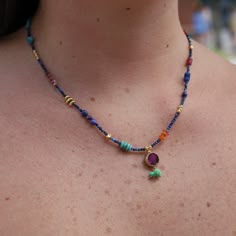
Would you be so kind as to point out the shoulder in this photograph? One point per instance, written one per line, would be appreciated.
(212, 104)
(214, 80)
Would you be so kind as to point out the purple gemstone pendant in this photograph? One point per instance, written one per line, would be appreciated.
(151, 159)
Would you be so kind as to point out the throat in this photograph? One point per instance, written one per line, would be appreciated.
(116, 31)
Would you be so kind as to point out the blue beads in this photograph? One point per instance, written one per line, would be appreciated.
(89, 118)
(84, 113)
(187, 76)
(30, 40)
(184, 94)
(93, 122)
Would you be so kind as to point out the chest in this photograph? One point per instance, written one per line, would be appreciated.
(58, 178)
(64, 184)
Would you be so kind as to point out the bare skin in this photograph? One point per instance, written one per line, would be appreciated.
(58, 175)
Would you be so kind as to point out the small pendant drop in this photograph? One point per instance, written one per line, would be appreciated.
(152, 160)
(155, 173)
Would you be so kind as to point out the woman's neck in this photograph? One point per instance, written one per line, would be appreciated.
(109, 36)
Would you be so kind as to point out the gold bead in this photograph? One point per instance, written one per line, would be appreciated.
(35, 54)
(69, 101)
(191, 47)
(180, 108)
(148, 148)
(108, 137)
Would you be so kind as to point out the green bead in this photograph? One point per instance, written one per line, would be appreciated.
(30, 40)
(152, 174)
(125, 146)
(158, 172)
(129, 146)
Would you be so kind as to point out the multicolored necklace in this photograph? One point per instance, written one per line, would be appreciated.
(151, 159)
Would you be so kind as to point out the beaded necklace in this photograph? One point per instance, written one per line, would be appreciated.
(151, 159)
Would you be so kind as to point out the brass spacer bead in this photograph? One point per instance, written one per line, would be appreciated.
(191, 47)
(180, 108)
(148, 148)
(36, 55)
(108, 137)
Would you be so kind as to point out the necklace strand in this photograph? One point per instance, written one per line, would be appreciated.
(125, 146)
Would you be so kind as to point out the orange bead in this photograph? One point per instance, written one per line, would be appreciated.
(163, 135)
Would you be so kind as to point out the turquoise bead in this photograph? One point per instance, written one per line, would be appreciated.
(158, 172)
(152, 174)
(125, 146)
(30, 40)
(155, 173)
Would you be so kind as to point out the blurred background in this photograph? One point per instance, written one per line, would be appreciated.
(212, 23)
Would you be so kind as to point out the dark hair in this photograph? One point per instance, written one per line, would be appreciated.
(14, 13)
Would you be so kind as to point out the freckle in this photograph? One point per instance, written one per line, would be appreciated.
(127, 90)
(181, 204)
(72, 210)
(160, 211)
(107, 192)
(89, 187)
(101, 170)
(108, 230)
(128, 8)
(155, 213)
(92, 99)
(136, 191)
(57, 137)
(135, 165)
(138, 206)
(128, 181)
(110, 114)
(74, 219)
(73, 57)
(7, 198)
(230, 148)
(79, 174)
(60, 42)
(164, 4)
(199, 214)
(176, 140)
(73, 150)
(208, 204)
(98, 19)
(167, 45)
(95, 176)
(213, 163)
